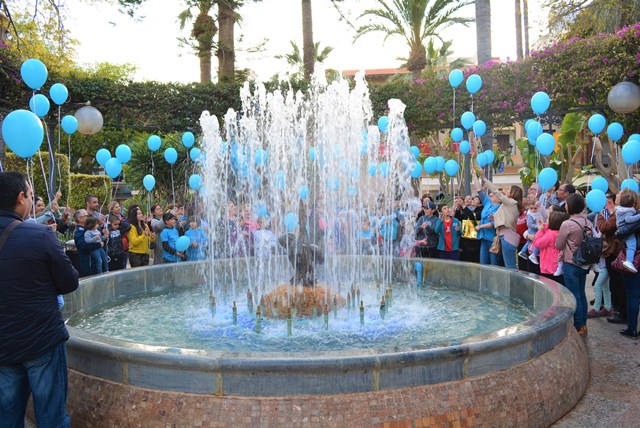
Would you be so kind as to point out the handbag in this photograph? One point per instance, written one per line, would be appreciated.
(622, 256)
(495, 247)
(469, 229)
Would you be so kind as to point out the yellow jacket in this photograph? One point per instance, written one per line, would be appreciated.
(139, 244)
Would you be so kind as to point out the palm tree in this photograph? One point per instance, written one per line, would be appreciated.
(296, 61)
(226, 52)
(525, 24)
(483, 30)
(307, 39)
(204, 30)
(518, 30)
(415, 21)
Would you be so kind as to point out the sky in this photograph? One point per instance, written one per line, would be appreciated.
(151, 43)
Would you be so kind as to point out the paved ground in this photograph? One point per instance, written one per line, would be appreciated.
(613, 394)
(612, 398)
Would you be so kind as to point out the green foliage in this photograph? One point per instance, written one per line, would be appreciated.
(15, 163)
(84, 184)
(531, 160)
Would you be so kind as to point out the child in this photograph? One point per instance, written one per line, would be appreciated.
(626, 213)
(168, 237)
(448, 230)
(534, 220)
(545, 242)
(366, 237)
(115, 247)
(199, 243)
(93, 236)
(264, 239)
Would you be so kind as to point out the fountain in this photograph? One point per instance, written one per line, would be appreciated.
(327, 328)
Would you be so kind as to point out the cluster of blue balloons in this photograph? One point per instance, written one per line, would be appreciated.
(22, 130)
(534, 130)
(474, 82)
(485, 158)
(113, 165)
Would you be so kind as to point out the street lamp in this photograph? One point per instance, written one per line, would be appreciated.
(625, 96)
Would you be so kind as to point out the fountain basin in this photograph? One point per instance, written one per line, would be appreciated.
(530, 373)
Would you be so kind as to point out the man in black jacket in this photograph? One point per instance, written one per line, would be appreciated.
(34, 270)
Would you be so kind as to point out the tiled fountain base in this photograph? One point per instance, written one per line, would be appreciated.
(535, 393)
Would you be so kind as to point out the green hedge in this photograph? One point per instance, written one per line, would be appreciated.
(84, 184)
(15, 163)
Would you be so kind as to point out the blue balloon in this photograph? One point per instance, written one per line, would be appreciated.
(534, 130)
(113, 167)
(333, 183)
(39, 104)
(490, 156)
(372, 169)
(440, 161)
(615, 131)
(188, 139)
(430, 165)
(415, 151)
(596, 200)
(22, 132)
(304, 193)
(457, 134)
(630, 184)
(467, 119)
(596, 123)
(261, 157)
(58, 93)
(313, 153)
(154, 143)
(465, 147)
(455, 78)
(281, 180)
(479, 128)
(634, 137)
(481, 160)
(451, 167)
(171, 155)
(182, 243)
(352, 190)
(262, 210)
(291, 221)
(123, 153)
(474, 83)
(149, 182)
(527, 123)
(631, 152)
(69, 124)
(540, 102)
(416, 171)
(195, 181)
(545, 144)
(34, 73)
(600, 183)
(194, 154)
(102, 156)
(383, 123)
(383, 169)
(547, 178)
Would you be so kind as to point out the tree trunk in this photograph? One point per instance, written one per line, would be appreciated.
(525, 24)
(518, 31)
(204, 53)
(226, 52)
(483, 30)
(307, 39)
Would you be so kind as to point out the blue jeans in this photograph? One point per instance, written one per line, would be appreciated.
(601, 290)
(632, 284)
(46, 378)
(487, 257)
(574, 279)
(631, 247)
(100, 260)
(509, 254)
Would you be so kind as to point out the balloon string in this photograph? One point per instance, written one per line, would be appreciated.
(471, 103)
(173, 190)
(44, 175)
(30, 178)
(59, 137)
(152, 165)
(69, 178)
(107, 192)
(52, 174)
(453, 121)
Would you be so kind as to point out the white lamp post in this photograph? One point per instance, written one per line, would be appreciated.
(624, 97)
(89, 119)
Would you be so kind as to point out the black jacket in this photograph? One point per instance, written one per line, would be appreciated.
(34, 269)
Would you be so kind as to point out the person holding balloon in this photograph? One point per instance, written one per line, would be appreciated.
(626, 214)
(140, 237)
(505, 220)
(169, 236)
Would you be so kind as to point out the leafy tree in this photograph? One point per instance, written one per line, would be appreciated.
(415, 21)
(584, 18)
